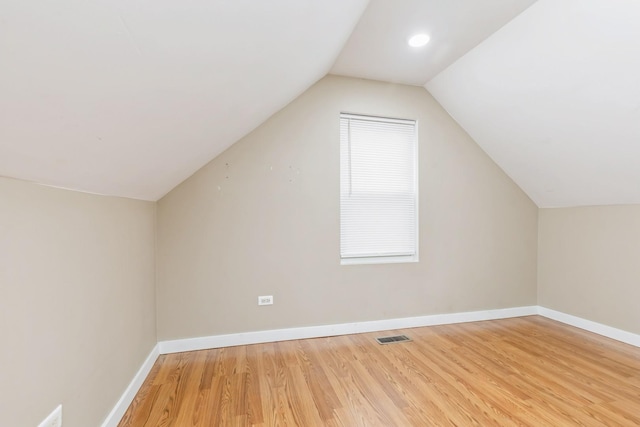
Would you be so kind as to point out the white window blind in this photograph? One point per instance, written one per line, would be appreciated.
(378, 189)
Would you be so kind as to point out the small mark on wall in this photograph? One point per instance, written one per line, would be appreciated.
(289, 172)
(227, 175)
(293, 173)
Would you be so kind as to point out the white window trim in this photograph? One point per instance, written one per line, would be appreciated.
(390, 259)
(387, 259)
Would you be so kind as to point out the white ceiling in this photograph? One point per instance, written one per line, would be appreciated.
(378, 48)
(130, 97)
(554, 98)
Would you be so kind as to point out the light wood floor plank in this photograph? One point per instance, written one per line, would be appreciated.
(528, 371)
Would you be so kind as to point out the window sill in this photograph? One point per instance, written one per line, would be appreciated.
(379, 260)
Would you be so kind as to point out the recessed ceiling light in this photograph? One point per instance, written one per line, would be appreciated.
(419, 40)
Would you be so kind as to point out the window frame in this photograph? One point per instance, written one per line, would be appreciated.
(384, 259)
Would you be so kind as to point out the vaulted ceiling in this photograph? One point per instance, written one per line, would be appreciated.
(130, 97)
(554, 98)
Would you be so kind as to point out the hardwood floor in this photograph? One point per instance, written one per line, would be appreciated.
(528, 371)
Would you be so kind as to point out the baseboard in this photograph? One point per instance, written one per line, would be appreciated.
(257, 337)
(217, 341)
(588, 325)
(129, 394)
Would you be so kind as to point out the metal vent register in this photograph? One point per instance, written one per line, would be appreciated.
(393, 339)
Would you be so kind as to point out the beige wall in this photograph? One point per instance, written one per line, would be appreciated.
(77, 315)
(263, 219)
(589, 263)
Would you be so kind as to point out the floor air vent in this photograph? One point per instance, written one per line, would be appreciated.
(393, 339)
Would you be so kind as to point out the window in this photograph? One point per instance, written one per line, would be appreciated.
(378, 190)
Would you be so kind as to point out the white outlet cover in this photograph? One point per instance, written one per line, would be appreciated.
(265, 300)
(54, 419)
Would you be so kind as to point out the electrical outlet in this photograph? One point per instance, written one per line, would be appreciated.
(265, 300)
(54, 419)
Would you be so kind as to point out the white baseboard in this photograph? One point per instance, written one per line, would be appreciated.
(244, 338)
(257, 337)
(129, 394)
(588, 325)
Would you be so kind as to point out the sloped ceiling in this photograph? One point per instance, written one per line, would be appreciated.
(130, 97)
(554, 98)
